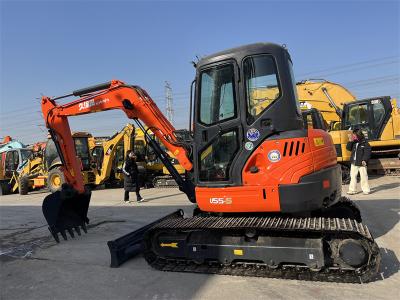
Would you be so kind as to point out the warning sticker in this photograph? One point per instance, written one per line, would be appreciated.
(319, 141)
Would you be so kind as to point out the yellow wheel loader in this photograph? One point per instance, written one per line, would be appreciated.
(12, 161)
(44, 168)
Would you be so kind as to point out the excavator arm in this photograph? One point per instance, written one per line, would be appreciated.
(68, 208)
(134, 101)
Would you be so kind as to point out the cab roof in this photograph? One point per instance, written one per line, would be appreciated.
(239, 53)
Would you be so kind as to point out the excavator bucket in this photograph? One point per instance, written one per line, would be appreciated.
(66, 211)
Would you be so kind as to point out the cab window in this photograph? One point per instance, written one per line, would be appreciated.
(140, 150)
(25, 154)
(217, 95)
(82, 150)
(262, 86)
(357, 116)
(216, 159)
(379, 113)
(308, 121)
(12, 161)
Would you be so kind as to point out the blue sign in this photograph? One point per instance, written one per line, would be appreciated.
(253, 134)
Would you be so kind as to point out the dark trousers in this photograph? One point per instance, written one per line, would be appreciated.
(126, 196)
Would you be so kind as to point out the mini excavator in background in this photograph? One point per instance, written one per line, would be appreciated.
(268, 191)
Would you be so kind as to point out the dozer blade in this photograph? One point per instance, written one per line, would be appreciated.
(66, 210)
(130, 245)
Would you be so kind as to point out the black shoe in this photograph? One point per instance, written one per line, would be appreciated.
(140, 199)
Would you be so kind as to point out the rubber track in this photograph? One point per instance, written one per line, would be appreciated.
(334, 227)
(395, 173)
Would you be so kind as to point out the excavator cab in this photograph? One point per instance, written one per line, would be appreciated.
(239, 97)
(370, 115)
(14, 160)
(313, 119)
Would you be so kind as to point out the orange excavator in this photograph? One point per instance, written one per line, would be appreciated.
(267, 191)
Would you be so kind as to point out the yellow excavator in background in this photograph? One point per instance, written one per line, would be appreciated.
(325, 96)
(109, 155)
(156, 174)
(146, 158)
(378, 117)
(330, 106)
(166, 180)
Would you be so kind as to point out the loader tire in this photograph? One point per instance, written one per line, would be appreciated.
(55, 180)
(23, 185)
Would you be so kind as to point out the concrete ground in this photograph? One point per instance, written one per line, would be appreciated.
(33, 266)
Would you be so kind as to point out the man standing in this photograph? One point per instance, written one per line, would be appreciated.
(360, 154)
(131, 177)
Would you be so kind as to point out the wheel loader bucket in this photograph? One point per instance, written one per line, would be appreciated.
(66, 211)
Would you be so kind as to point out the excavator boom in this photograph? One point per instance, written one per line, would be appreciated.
(67, 209)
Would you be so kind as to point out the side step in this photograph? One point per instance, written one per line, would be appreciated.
(130, 245)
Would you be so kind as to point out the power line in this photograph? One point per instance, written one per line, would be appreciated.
(372, 79)
(18, 110)
(392, 81)
(350, 65)
(358, 69)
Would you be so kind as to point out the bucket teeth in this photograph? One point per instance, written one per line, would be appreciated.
(55, 231)
(84, 227)
(54, 234)
(64, 234)
(66, 210)
(71, 232)
(78, 231)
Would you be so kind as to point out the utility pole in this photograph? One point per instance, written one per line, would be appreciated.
(169, 102)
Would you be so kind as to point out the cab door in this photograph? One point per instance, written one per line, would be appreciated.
(237, 108)
(218, 127)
